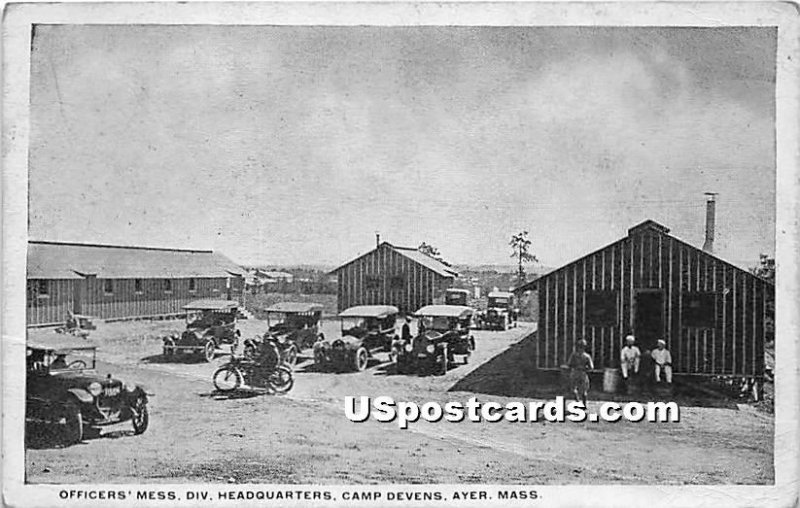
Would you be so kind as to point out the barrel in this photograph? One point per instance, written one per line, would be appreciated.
(611, 380)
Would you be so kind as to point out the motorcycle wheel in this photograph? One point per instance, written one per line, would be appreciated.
(281, 380)
(227, 379)
(290, 355)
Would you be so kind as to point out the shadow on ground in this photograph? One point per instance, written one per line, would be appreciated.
(513, 373)
(42, 436)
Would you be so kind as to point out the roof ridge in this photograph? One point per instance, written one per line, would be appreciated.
(108, 246)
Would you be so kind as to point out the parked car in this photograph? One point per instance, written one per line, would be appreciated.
(209, 325)
(501, 312)
(294, 326)
(455, 296)
(444, 331)
(366, 329)
(63, 386)
(78, 325)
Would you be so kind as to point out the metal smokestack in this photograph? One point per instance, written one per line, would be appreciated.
(711, 205)
(377, 239)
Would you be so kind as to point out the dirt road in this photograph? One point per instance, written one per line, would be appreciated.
(304, 437)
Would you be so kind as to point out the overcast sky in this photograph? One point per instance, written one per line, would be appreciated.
(290, 145)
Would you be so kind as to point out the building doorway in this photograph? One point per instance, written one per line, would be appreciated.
(648, 318)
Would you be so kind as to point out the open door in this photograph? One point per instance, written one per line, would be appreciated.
(648, 320)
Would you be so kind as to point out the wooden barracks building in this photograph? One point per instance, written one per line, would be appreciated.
(391, 275)
(113, 282)
(652, 285)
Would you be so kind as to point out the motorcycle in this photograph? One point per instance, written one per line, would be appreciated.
(264, 370)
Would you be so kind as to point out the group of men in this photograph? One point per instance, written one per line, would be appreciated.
(580, 363)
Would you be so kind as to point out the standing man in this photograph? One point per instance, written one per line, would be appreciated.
(405, 332)
(663, 362)
(630, 357)
(580, 363)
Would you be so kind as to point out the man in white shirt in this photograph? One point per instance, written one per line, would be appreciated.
(663, 362)
(630, 357)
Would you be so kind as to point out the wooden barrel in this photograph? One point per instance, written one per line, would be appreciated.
(611, 380)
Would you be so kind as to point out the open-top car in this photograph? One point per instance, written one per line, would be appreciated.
(455, 296)
(294, 326)
(443, 332)
(78, 325)
(62, 387)
(501, 312)
(366, 329)
(209, 325)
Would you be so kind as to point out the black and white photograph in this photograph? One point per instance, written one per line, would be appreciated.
(400, 254)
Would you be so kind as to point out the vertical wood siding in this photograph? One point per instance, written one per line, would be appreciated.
(124, 301)
(415, 285)
(652, 261)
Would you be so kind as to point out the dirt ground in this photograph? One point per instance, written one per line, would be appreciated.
(196, 435)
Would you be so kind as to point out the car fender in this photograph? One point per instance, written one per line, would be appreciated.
(82, 395)
(352, 343)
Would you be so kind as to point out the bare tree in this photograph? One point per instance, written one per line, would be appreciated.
(521, 246)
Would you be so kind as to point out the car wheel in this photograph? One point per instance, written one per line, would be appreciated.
(209, 351)
(445, 361)
(141, 416)
(360, 359)
(290, 355)
(227, 379)
(73, 424)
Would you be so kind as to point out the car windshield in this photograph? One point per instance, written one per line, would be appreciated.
(498, 302)
(438, 323)
(354, 324)
(64, 360)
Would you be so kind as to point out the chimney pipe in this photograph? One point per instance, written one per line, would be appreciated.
(377, 239)
(708, 246)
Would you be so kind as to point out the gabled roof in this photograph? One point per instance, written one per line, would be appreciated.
(648, 225)
(56, 260)
(414, 255)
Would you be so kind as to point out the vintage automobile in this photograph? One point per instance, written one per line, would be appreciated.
(78, 325)
(294, 327)
(443, 332)
(366, 329)
(209, 325)
(501, 312)
(63, 388)
(455, 296)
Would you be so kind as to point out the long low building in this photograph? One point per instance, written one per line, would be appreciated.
(119, 282)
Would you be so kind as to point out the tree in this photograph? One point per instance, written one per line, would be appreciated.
(765, 268)
(521, 246)
(766, 271)
(432, 251)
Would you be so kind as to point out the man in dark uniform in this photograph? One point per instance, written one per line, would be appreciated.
(405, 332)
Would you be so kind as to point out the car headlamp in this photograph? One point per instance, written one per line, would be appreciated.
(409, 348)
(430, 349)
(95, 389)
(129, 387)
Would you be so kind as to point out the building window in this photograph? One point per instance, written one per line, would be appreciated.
(38, 289)
(108, 286)
(168, 285)
(601, 308)
(699, 310)
(192, 285)
(372, 283)
(397, 282)
(137, 286)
